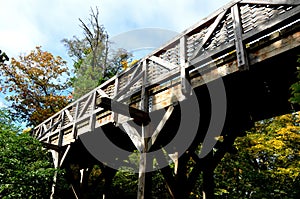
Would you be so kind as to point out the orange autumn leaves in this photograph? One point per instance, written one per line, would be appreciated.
(36, 85)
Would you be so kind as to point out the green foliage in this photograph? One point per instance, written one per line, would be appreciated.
(25, 168)
(36, 84)
(295, 88)
(94, 63)
(267, 164)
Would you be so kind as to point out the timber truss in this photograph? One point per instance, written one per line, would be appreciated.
(230, 41)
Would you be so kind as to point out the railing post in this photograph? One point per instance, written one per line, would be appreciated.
(93, 114)
(114, 114)
(144, 183)
(239, 44)
(184, 74)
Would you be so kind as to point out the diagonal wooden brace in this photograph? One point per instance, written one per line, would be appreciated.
(139, 116)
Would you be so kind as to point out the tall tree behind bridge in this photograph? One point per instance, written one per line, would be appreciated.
(36, 84)
(94, 63)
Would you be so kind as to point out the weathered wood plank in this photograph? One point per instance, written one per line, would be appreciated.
(239, 44)
(123, 109)
(209, 33)
(69, 115)
(86, 105)
(272, 2)
(134, 136)
(275, 48)
(167, 65)
(272, 24)
(160, 126)
(128, 85)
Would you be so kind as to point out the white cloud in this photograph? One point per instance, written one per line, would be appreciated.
(26, 24)
(2, 103)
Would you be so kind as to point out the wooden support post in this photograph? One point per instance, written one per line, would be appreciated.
(116, 89)
(241, 54)
(93, 115)
(139, 116)
(208, 183)
(184, 73)
(61, 134)
(144, 160)
(58, 159)
(74, 128)
(208, 177)
(55, 156)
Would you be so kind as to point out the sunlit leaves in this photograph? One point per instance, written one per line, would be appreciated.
(267, 164)
(25, 168)
(36, 84)
(295, 88)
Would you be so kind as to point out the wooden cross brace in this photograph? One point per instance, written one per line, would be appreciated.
(139, 116)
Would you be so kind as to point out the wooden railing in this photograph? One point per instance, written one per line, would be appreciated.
(231, 39)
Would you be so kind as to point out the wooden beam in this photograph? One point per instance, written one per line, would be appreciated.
(239, 44)
(123, 109)
(174, 158)
(64, 155)
(74, 128)
(133, 135)
(92, 114)
(144, 182)
(160, 126)
(209, 33)
(86, 105)
(275, 48)
(51, 146)
(184, 71)
(134, 72)
(69, 115)
(128, 85)
(61, 134)
(165, 64)
(273, 24)
(53, 126)
(272, 2)
(142, 173)
(102, 93)
(116, 89)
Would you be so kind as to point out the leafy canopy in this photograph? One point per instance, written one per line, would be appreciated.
(37, 85)
(267, 164)
(94, 61)
(25, 168)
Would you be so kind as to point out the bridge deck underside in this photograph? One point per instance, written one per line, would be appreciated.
(250, 46)
(260, 93)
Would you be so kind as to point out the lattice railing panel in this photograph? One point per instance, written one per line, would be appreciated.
(195, 40)
(254, 15)
(171, 55)
(223, 34)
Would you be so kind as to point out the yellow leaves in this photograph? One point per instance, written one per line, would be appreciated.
(32, 78)
(277, 144)
(292, 172)
(124, 64)
(27, 130)
(133, 62)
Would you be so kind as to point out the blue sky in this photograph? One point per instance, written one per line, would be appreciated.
(29, 23)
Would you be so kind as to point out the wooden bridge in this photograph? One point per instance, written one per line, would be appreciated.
(250, 46)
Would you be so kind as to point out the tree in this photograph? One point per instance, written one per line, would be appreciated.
(37, 84)
(267, 164)
(90, 55)
(94, 62)
(295, 88)
(25, 167)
